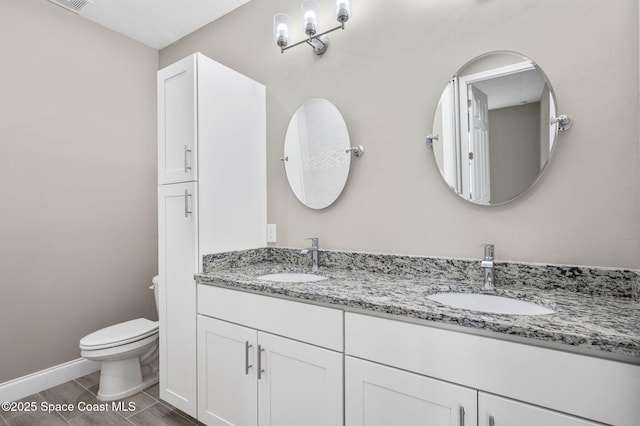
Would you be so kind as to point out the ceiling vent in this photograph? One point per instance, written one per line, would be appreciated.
(72, 5)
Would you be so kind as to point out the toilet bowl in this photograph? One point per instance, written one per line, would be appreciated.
(128, 353)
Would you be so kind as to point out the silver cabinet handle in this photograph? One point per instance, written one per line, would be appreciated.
(492, 421)
(187, 212)
(461, 415)
(260, 369)
(247, 346)
(187, 150)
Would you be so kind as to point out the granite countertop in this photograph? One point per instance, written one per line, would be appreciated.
(592, 315)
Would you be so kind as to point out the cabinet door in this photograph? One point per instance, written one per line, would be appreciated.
(300, 385)
(376, 395)
(232, 152)
(227, 389)
(496, 411)
(177, 264)
(177, 122)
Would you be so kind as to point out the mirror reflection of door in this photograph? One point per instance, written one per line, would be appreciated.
(494, 118)
(479, 158)
(514, 110)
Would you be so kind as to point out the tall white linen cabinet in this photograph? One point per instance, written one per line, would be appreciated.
(211, 197)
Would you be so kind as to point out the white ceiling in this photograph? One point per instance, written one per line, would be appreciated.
(156, 23)
(513, 89)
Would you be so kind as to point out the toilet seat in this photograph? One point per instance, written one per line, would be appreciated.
(127, 353)
(119, 334)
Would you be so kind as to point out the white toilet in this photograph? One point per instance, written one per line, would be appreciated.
(128, 353)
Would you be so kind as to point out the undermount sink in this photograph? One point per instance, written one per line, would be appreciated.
(489, 304)
(292, 277)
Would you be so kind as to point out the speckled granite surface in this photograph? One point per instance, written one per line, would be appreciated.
(597, 310)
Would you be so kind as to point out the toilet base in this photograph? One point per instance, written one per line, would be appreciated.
(122, 393)
(123, 378)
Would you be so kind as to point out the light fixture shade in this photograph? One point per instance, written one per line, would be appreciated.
(310, 17)
(281, 25)
(343, 10)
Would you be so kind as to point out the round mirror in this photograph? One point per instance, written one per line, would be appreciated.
(495, 127)
(315, 156)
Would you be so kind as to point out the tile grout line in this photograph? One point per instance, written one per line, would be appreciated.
(119, 413)
(63, 419)
(55, 413)
(85, 388)
(156, 401)
(127, 420)
(181, 413)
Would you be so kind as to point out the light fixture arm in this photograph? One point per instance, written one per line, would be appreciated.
(310, 12)
(324, 41)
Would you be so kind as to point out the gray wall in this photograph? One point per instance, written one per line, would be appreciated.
(514, 149)
(385, 73)
(78, 237)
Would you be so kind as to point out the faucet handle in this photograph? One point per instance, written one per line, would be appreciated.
(489, 250)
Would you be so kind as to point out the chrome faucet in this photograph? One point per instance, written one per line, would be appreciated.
(314, 252)
(487, 265)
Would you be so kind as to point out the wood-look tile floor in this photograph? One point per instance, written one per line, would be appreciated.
(142, 409)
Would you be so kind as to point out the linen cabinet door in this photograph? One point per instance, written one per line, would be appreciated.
(299, 384)
(376, 395)
(177, 122)
(497, 411)
(177, 264)
(227, 388)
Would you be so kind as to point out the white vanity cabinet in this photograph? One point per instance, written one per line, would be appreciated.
(377, 395)
(497, 411)
(265, 361)
(211, 197)
(227, 388)
(546, 382)
(249, 377)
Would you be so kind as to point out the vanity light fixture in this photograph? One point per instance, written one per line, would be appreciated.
(319, 42)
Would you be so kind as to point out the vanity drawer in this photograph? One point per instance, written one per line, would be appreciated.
(581, 385)
(300, 321)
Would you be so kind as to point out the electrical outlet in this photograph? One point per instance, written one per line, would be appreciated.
(271, 233)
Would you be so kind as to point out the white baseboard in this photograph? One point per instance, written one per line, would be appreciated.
(33, 383)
